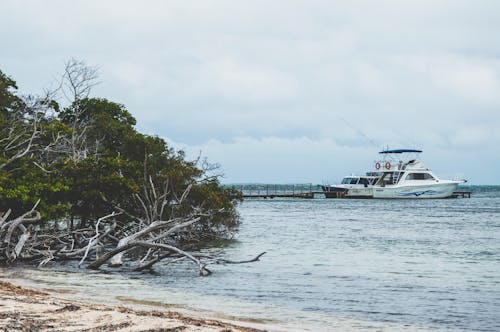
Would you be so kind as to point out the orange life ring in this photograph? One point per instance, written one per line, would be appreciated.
(387, 165)
(377, 166)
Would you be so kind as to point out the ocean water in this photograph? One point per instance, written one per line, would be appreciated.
(333, 264)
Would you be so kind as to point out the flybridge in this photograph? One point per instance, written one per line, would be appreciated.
(400, 151)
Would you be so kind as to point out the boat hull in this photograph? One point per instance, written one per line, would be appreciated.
(334, 191)
(364, 192)
(437, 190)
(348, 191)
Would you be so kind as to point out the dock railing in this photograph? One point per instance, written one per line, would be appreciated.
(276, 190)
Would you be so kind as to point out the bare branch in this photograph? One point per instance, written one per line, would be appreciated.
(92, 240)
(78, 80)
(218, 260)
(202, 270)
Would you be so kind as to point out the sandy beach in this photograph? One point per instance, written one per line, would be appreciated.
(23, 309)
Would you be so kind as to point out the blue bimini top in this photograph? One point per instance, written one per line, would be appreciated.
(400, 151)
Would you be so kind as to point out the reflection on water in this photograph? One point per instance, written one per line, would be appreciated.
(345, 264)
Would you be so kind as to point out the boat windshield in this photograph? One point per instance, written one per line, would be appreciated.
(350, 180)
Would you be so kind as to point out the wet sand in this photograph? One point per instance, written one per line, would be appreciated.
(24, 309)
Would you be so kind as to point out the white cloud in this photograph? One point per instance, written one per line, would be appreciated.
(276, 159)
(230, 82)
(474, 136)
(475, 80)
(305, 160)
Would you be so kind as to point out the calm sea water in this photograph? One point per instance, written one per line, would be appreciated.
(335, 265)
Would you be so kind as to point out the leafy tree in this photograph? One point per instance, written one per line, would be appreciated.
(106, 124)
(8, 97)
(22, 182)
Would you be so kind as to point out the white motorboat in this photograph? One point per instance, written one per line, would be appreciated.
(352, 186)
(410, 179)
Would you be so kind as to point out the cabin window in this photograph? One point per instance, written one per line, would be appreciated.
(364, 181)
(419, 176)
(354, 181)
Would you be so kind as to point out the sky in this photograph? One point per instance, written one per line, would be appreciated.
(282, 91)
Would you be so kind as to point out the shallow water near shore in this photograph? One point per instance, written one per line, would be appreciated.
(332, 264)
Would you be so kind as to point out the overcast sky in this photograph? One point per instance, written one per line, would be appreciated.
(283, 91)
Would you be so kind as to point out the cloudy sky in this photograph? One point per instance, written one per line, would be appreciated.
(283, 91)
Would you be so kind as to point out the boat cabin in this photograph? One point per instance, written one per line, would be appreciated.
(362, 180)
(394, 171)
(407, 175)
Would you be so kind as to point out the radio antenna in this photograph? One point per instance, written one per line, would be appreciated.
(357, 130)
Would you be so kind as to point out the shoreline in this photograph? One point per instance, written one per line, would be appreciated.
(27, 309)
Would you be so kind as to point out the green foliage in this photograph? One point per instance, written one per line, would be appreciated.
(214, 198)
(107, 124)
(97, 185)
(8, 98)
(24, 183)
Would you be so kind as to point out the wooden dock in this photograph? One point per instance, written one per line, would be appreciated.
(307, 191)
(461, 194)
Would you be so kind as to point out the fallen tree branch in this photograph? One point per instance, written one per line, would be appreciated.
(28, 217)
(201, 267)
(4, 217)
(116, 259)
(218, 260)
(148, 265)
(93, 240)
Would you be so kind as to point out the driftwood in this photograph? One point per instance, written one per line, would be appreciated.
(8, 228)
(201, 259)
(108, 239)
